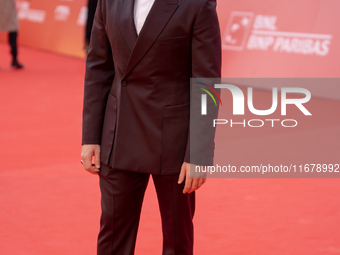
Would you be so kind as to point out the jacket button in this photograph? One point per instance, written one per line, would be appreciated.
(124, 83)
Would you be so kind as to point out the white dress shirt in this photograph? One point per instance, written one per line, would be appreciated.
(141, 11)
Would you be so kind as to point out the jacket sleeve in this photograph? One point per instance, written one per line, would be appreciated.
(206, 63)
(98, 79)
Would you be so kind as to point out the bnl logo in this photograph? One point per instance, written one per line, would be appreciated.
(237, 30)
(239, 99)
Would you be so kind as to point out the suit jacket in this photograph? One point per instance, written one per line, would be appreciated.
(137, 88)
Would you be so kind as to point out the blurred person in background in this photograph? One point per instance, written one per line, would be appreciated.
(9, 23)
(91, 9)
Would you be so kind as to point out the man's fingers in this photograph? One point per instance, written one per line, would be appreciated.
(194, 185)
(201, 182)
(86, 157)
(97, 158)
(197, 183)
(188, 183)
(93, 170)
(182, 174)
(87, 161)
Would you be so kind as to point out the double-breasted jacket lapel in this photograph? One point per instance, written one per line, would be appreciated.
(125, 15)
(158, 17)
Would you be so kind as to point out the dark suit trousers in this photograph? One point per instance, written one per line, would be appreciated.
(122, 197)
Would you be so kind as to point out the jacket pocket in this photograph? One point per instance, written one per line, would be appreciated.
(174, 137)
(172, 40)
(109, 128)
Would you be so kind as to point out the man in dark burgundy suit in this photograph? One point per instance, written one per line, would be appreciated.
(141, 57)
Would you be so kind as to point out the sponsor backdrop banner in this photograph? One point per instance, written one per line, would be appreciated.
(261, 38)
(290, 38)
(54, 25)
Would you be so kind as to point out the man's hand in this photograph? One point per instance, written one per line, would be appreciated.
(87, 152)
(191, 184)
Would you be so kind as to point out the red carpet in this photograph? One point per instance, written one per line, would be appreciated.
(50, 205)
